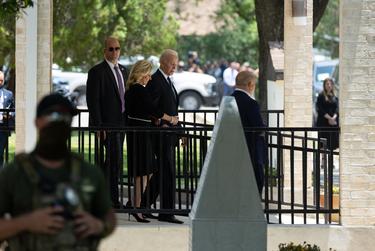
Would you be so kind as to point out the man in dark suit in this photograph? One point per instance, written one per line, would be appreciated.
(250, 117)
(106, 105)
(6, 118)
(165, 98)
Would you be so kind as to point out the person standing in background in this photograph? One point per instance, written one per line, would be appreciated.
(106, 105)
(6, 118)
(327, 106)
(229, 78)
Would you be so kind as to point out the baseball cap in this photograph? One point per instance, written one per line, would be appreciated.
(55, 103)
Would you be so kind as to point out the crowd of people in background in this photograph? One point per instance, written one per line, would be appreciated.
(223, 70)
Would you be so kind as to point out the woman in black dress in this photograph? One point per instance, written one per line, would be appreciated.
(141, 113)
(327, 106)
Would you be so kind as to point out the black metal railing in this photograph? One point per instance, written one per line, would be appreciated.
(300, 174)
(300, 187)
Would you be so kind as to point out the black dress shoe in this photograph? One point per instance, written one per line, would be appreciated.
(170, 219)
(150, 216)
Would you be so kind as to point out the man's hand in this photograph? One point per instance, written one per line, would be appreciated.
(86, 225)
(174, 120)
(44, 221)
(184, 141)
(332, 121)
(101, 135)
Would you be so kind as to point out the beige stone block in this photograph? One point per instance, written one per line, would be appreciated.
(361, 186)
(372, 185)
(345, 195)
(357, 121)
(358, 212)
(353, 137)
(352, 220)
(362, 195)
(357, 203)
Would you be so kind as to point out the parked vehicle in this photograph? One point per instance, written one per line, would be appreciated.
(73, 84)
(194, 89)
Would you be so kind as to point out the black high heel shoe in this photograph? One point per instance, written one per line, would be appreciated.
(135, 215)
(139, 219)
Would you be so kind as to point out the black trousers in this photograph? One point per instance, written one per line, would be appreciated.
(3, 141)
(259, 177)
(163, 181)
(113, 163)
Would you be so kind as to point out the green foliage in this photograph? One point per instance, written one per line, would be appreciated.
(327, 33)
(12, 8)
(336, 189)
(81, 26)
(236, 38)
(300, 247)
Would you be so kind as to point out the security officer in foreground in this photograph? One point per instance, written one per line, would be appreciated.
(51, 199)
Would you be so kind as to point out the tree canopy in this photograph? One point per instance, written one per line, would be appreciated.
(236, 37)
(145, 27)
(326, 35)
(142, 26)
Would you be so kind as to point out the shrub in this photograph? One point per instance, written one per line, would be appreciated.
(300, 247)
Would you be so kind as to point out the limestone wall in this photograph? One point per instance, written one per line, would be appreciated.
(297, 83)
(357, 111)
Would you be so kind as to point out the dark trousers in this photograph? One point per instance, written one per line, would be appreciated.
(162, 181)
(113, 163)
(3, 142)
(259, 177)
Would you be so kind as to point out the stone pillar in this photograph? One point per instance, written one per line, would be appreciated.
(357, 106)
(33, 68)
(298, 69)
(298, 59)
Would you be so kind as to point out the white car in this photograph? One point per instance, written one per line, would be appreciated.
(74, 82)
(194, 89)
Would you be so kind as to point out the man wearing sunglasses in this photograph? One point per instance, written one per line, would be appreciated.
(106, 105)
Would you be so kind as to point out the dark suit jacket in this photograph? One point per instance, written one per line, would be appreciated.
(163, 96)
(103, 98)
(250, 117)
(8, 102)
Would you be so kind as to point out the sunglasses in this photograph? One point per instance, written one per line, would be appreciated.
(114, 48)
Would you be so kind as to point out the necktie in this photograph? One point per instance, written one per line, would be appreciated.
(121, 88)
(171, 86)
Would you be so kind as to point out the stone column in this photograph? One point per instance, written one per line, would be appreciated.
(33, 68)
(357, 111)
(298, 68)
(298, 58)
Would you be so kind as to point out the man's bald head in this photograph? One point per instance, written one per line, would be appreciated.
(244, 78)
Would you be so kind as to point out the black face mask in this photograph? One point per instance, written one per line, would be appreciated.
(52, 144)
